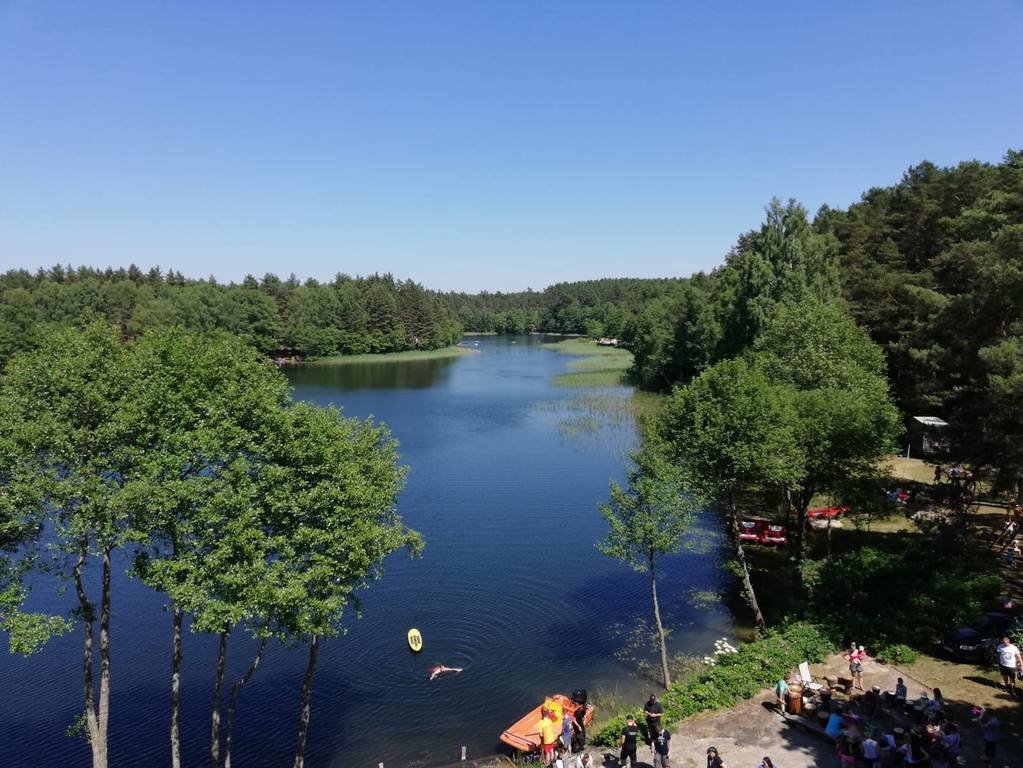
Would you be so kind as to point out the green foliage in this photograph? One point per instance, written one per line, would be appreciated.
(26, 632)
(908, 593)
(730, 428)
(332, 485)
(736, 676)
(346, 316)
(594, 307)
(933, 266)
(649, 517)
(899, 653)
(785, 261)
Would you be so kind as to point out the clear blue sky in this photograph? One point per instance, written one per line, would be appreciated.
(474, 144)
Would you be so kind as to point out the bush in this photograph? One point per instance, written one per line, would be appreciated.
(735, 676)
(896, 654)
(907, 593)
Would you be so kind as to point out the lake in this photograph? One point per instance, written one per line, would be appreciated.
(506, 472)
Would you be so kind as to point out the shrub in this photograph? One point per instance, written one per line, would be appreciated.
(898, 653)
(735, 676)
(909, 592)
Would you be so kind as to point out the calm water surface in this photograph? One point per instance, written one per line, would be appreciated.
(506, 474)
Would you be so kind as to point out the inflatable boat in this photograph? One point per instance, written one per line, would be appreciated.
(524, 735)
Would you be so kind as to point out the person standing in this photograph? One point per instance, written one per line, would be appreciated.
(653, 711)
(662, 743)
(1009, 662)
(628, 742)
(548, 737)
(580, 727)
(567, 733)
(856, 656)
(781, 693)
(714, 759)
(989, 722)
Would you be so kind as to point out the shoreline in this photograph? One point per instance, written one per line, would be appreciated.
(389, 357)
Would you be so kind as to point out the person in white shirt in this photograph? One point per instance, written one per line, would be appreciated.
(1009, 662)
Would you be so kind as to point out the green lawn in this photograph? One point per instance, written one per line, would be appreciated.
(412, 354)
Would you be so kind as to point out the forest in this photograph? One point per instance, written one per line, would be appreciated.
(931, 267)
(347, 316)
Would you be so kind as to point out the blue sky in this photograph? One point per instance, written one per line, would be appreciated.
(473, 145)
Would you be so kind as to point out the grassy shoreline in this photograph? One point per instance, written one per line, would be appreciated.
(388, 357)
(596, 366)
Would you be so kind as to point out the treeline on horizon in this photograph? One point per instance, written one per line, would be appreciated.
(310, 319)
(931, 266)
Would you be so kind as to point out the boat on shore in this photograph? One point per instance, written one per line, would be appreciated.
(524, 736)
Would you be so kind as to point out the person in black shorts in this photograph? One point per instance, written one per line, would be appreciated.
(714, 759)
(1009, 661)
(628, 742)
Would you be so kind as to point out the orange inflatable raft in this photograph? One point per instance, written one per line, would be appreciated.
(524, 735)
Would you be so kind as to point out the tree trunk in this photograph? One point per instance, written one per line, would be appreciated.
(104, 657)
(229, 728)
(99, 759)
(218, 689)
(747, 582)
(175, 737)
(661, 642)
(307, 687)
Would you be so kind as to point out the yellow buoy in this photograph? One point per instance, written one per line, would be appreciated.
(415, 640)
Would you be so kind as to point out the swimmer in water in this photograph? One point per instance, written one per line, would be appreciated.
(440, 669)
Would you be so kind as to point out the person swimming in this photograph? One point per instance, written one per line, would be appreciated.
(440, 669)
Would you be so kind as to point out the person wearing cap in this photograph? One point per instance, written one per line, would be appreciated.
(714, 759)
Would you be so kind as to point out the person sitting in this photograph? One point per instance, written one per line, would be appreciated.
(953, 739)
(901, 692)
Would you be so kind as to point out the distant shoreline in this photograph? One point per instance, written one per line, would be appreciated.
(387, 357)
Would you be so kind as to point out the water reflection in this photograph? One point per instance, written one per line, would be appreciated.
(396, 374)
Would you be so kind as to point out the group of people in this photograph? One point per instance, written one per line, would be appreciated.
(936, 741)
(932, 739)
(561, 736)
(658, 738)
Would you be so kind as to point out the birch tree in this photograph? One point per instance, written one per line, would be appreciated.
(647, 519)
